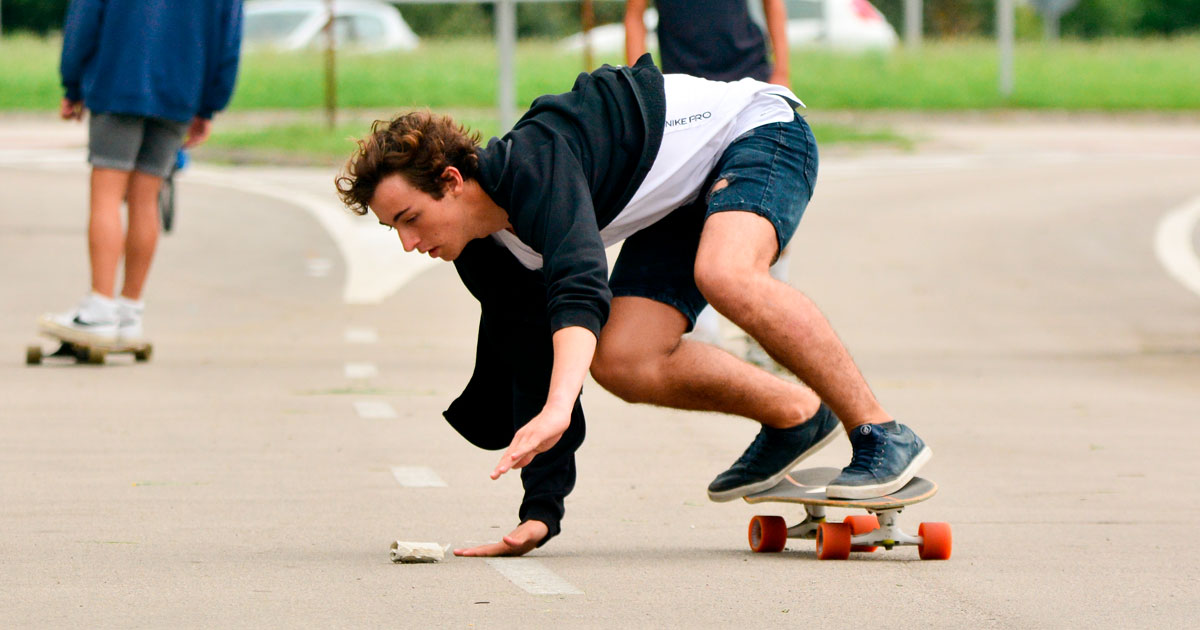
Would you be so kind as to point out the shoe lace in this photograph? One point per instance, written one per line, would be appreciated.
(866, 456)
(754, 450)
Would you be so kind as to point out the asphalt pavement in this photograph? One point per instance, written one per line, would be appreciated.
(1018, 290)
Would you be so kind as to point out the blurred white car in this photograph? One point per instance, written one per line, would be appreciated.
(361, 25)
(839, 24)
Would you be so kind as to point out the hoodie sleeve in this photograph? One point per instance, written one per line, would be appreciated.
(81, 36)
(551, 210)
(223, 61)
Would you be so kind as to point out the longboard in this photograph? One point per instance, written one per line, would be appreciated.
(83, 349)
(867, 532)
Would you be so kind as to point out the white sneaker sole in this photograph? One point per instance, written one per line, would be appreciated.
(737, 493)
(882, 489)
(76, 336)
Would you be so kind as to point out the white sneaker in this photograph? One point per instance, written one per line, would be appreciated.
(129, 318)
(94, 321)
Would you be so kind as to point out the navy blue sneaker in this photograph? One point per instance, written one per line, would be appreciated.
(886, 457)
(773, 454)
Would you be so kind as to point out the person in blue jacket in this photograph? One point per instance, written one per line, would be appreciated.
(152, 73)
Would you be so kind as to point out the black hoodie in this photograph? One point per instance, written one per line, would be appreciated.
(567, 168)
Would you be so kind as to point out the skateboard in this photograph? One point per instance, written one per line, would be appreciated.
(84, 350)
(863, 532)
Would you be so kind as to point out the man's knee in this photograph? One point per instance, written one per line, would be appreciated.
(624, 370)
(726, 286)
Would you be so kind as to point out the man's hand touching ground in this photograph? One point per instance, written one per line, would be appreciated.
(520, 541)
(538, 436)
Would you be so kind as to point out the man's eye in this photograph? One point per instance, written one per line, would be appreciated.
(410, 220)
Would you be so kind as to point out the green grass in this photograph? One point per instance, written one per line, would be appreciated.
(309, 142)
(275, 113)
(1110, 75)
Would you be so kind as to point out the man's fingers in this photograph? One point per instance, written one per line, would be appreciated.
(490, 549)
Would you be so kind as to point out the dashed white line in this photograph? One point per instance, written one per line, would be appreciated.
(1173, 244)
(374, 410)
(417, 477)
(361, 335)
(530, 575)
(361, 371)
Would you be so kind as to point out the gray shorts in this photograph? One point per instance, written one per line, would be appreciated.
(124, 142)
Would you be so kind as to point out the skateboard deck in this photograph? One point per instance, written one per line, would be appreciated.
(867, 532)
(81, 348)
(807, 487)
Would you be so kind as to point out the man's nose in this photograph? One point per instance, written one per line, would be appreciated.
(407, 240)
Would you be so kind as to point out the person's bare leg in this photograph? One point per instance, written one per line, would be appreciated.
(142, 239)
(106, 238)
(736, 250)
(642, 357)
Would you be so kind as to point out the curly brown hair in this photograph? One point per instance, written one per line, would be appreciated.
(419, 146)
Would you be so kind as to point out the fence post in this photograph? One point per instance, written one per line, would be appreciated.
(1005, 33)
(506, 39)
(913, 25)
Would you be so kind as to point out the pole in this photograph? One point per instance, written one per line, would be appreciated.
(588, 19)
(1005, 33)
(506, 40)
(913, 26)
(330, 69)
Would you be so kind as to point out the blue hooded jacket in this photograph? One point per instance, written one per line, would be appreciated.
(173, 59)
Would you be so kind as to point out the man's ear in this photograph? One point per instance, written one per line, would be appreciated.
(452, 181)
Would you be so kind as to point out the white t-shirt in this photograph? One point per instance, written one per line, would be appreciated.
(703, 118)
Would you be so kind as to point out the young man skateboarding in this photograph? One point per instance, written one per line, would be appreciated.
(705, 183)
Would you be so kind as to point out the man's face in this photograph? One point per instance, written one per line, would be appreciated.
(438, 227)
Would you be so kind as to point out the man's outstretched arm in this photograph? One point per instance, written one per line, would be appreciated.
(574, 347)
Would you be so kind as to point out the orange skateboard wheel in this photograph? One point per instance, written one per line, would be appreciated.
(768, 534)
(833, 541)
(862, 523)
(936, 541)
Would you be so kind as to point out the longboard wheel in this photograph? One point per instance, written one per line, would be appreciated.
(862, 524)
(768, 534)
(33, 355)
(143, 355)
(936, 541)
(96, 356)
(833, 541)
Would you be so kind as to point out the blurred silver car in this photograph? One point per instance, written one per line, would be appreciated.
(362, 25)
(838, 24)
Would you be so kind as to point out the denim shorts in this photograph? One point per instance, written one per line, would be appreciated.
(126, 142)
(771, 171)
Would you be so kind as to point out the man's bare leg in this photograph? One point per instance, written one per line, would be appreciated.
(643, 358)
(731, 271)
(142, 239)
(106, 237)
(736, 250)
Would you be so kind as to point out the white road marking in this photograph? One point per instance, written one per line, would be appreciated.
(361, 371)
(374, 410)
(361, 335)
(417, 477)
(319, 267)
(530, 575)
(1173, 244)
(365, 246)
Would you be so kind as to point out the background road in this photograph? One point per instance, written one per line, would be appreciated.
(999, 287)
